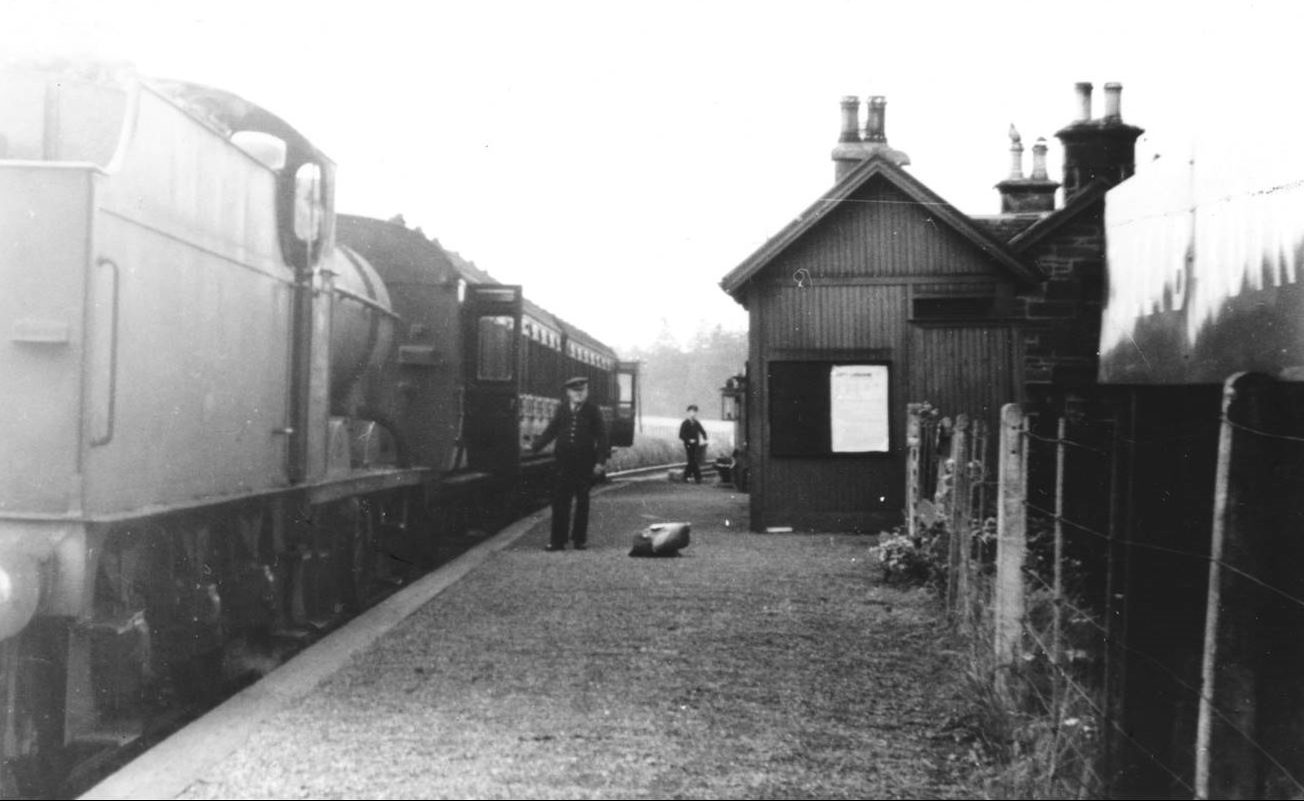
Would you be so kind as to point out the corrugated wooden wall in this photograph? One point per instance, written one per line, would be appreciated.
(843, 293)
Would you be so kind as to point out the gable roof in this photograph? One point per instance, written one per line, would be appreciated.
(878, 165)
(1038, 231)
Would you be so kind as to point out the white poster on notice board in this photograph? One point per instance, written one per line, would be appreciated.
(859, 408)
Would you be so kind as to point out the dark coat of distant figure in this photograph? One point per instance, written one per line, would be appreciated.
(693, 436)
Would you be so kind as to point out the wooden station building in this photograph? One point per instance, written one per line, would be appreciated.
(881, 293)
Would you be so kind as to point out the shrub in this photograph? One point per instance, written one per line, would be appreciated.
(913, 561)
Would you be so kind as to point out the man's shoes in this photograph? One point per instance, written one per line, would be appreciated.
(581, 546)
(552, 547)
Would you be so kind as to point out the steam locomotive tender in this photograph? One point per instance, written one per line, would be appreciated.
(230, 416)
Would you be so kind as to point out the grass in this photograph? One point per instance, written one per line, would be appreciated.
(1039, 738)
(657, 442)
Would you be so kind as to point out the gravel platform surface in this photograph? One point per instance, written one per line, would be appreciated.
(751, 666)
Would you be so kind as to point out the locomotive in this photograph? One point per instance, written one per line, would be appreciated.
(231, 416)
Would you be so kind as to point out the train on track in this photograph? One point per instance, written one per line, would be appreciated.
(231, 416)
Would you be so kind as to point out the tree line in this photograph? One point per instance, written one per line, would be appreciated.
(674, 375)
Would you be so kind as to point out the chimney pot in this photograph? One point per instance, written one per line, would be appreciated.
(1016, 155)
(850, 119)
(875, 119)
(1113, 102)
(1039, 160)
(1084, 101)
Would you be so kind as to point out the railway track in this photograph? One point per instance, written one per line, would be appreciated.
(653, 471)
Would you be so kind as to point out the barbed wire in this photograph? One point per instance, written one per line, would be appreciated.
(1102, 637)
(1105, 718)
(1150, 546)
(1260, 432)
(1074, 443)
(1174, 676)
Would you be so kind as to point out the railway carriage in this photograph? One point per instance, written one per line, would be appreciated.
(231, 417)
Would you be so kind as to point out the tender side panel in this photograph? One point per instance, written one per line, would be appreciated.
(201, 369)
(43, 247)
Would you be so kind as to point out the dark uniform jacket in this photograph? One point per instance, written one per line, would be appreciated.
(581, 437)
(692, 432)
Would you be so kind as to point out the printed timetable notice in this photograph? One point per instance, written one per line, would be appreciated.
(859, 408)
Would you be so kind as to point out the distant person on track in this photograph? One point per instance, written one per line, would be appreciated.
(693, 436)
(582, 452)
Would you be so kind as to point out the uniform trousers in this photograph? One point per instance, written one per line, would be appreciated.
(572, 484)
(692, 470)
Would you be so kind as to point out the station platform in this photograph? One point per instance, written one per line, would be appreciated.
(750, 666)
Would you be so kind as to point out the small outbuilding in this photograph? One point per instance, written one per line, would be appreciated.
(883, 294)
(880, 293)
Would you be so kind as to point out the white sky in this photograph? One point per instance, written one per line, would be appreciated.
(617, 159)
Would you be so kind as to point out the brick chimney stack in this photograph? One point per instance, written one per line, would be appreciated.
(1098, 148)
(852, 148)
(1021, 195)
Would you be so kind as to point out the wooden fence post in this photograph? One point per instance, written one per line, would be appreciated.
(913, 438)
(1227, 763)
(1056, 641)
(1118, 585)
(959, 519)
(1011, 545)
(979, 456)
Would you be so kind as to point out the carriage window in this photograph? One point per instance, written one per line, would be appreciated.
(494, 362)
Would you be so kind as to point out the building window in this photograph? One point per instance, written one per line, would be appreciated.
(959, 302)
(827, 408)
(956, 307)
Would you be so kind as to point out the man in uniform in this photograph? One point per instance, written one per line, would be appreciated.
(693, 435)
(582, 452)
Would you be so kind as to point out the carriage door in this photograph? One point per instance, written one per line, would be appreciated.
(622, 424)
(491, 319)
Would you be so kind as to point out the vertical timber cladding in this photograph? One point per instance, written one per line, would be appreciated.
(968, 370)
(826, 326)
(844, 293)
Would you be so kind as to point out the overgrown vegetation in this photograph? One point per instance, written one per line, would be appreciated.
(914, 561)
(1033, 728)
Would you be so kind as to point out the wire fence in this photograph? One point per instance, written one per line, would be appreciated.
(1130, 567)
